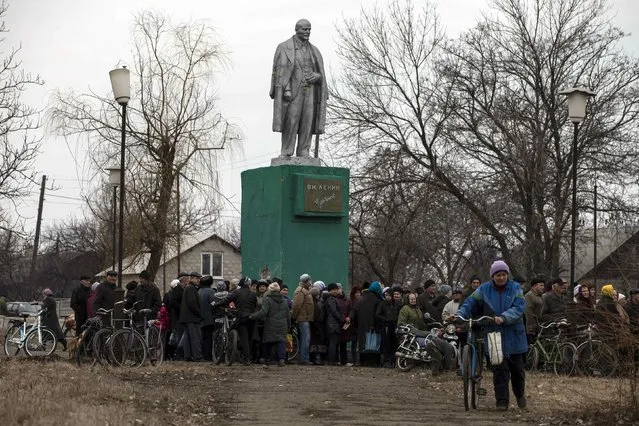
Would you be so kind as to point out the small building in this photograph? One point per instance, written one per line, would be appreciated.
(211, 255)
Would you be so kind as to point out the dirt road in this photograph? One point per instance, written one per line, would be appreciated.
(198, 394)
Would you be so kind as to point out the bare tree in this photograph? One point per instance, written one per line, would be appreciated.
(481, 118)
(174, 128)
(18, 145)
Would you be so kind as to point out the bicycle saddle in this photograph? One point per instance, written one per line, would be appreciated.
(145, 311)
(103, 311)
(24, 315)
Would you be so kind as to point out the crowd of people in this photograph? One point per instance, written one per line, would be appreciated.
(335, 328)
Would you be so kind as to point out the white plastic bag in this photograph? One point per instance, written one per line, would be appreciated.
(495, 350)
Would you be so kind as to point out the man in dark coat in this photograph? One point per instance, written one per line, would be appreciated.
(246, 302)
(148, 294)
(364, 315)
(277, 322)
(50, 317)
(208, 321)
(79, 302)
(424, 299)
(554, 306)
(191, 317)
(104, 297)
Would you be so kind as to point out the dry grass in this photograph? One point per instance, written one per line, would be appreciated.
(56, 392)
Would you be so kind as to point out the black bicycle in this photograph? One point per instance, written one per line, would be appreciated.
(225, 338)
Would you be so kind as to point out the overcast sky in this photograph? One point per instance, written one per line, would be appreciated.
(73, 44)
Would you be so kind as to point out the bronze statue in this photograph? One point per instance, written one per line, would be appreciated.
(299, 92)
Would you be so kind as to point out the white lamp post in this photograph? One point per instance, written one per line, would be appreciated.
(577, 101)
(121, 85)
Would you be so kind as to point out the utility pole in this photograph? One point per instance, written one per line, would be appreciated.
(177, 208)
(36, 241)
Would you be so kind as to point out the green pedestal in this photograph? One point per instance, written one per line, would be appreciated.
(295, 221)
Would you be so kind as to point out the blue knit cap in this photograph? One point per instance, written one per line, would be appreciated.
(376, 288)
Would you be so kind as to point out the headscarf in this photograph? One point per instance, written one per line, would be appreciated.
(607, 290)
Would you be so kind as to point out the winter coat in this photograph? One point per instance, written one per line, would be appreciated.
(387, 312)
(90, 300)
(534, 302)
(206, 310)
(276, 317)
(334, 318)
(149, 295)
(79, 304)
(424, 301)
(163, 319)
(175, 304)
(190, 308)
(245, 301)
(508, 303)
(437, 307)
(104, 297)
(553, 308)
(365, 316)
(303, 307)
(50, 317)
(411, 315)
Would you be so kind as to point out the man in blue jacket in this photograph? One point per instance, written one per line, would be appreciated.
(503, 298)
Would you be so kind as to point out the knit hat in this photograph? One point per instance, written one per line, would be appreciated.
(376, 288)
(274, 287)
(47, 292)
(305, 277)
(320, 285)
(499, 266)
(145, 275)
(444, 289)
(314, 291)
(245, 282)
(332, 286)
(174, 283)
(458, 289)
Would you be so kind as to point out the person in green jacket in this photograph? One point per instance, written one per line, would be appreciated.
(410, 314)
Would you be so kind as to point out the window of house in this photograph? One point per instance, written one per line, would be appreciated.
(212, 264)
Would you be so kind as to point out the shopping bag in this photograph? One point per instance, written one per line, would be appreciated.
(289, 342)
(373, 342)
(173, 339)
(495, 351)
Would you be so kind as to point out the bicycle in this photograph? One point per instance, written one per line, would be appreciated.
(295, 346)
(594, 357)
(36, 339)
(101, 339)
(126, 345)
(84, 353)
(473, 362)
(153, 339)
(552, 351)
(225, 338)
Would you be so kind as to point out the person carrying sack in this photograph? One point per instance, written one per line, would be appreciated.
(503, 298)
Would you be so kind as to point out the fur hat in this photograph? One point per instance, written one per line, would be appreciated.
(47, 292)
(174, 283)
(305, 277)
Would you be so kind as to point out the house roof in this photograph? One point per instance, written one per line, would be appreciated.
(133, 264)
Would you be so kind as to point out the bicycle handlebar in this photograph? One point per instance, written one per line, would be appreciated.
(484, 318)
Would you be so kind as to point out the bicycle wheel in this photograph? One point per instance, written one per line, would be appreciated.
(564, 359)
(12, 341)
(532, 358)
(406, 364)
(84, 349)
(296, 348)
(155, 345)
(100, 346)
(40, 342)
(128, 349)
(219, 345)
(231, 347)
(596, 359)
(467, 376)
(476, 376)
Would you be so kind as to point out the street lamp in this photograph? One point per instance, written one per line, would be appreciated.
(577, 101)
(121, 85)
(114, 182)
